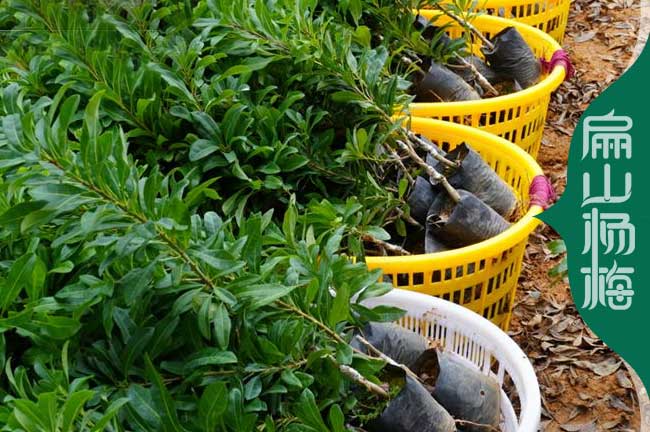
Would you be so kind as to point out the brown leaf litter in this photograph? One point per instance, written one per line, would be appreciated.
(585, 386)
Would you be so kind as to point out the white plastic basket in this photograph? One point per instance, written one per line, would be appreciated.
(480, 344)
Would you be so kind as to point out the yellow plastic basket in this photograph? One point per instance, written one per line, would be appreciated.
(481, 277)
(518, 117)
(550, 16)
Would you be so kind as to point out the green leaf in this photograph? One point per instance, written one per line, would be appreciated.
(142, 402)
(196, 194)
(222, 326)
(346, 96)
(253, 388)
(12, 218)
(356, 9)
(362, 36)
(378, 233)
(336, 418)
(559, 270)
(12, 129)
(308, 412)
(72, 406)
(63, 268)
(57, 327)
(35, 282)
(403, 185)
(259, 295)
(289, 222)
(400, 227)
(203, 317)
(18, 273)
(173, 81)
(170, 416)
(209, 357)
(387, 313)
(111, 412)
(136, 282)
(135, 346)
(223, 266)
(237, 70)
(290, 378)
(340, 306)
(202, 148)
(557, 246)
(126, 31)
(92, 129)
(212, 405)
(27, 413)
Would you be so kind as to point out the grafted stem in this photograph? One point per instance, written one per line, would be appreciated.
(483, 82)
(435, 175)
(432, 151)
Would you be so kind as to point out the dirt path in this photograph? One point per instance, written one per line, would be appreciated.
(585, 387)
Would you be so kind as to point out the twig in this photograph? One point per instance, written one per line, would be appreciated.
(413, 64)
(401, 165)
(435, 175)
(387, 359)
(483, 82)
(388, 246)
(432, 151)
(355, 376)
(464, 23)
(479, 425)
(407, 218)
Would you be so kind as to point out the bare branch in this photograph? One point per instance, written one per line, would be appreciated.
(483, 82)
(355, 376)
(435, 175)
(387, 359)
(388, 246)
(399, 162)
(432, 151)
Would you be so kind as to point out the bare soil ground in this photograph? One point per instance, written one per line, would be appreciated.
(585, 386)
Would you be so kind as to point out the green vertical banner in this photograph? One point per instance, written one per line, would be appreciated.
(604, 216)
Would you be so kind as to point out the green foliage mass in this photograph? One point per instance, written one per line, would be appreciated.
(182, 184)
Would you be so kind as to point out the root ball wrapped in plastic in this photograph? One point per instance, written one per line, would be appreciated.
(441, 84)
(398, 343)
(413, 409)
(420, 199)
(466, 222)
(430, 32)
(476, 176)
(511, 57)
(467, 394)
(431, 243)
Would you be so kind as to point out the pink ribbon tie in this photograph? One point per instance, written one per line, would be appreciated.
(559, 58)
(541, 192)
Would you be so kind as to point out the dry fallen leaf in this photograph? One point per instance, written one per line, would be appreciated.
(583, 427)
(584, 37)
(623, 380)
(618, 404)
(604, 368)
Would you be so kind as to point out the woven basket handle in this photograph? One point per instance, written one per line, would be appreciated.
(541, 192)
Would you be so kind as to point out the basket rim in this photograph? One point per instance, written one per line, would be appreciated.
(495, 3)
(511, 355)
(497, 244)
(546, 86)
